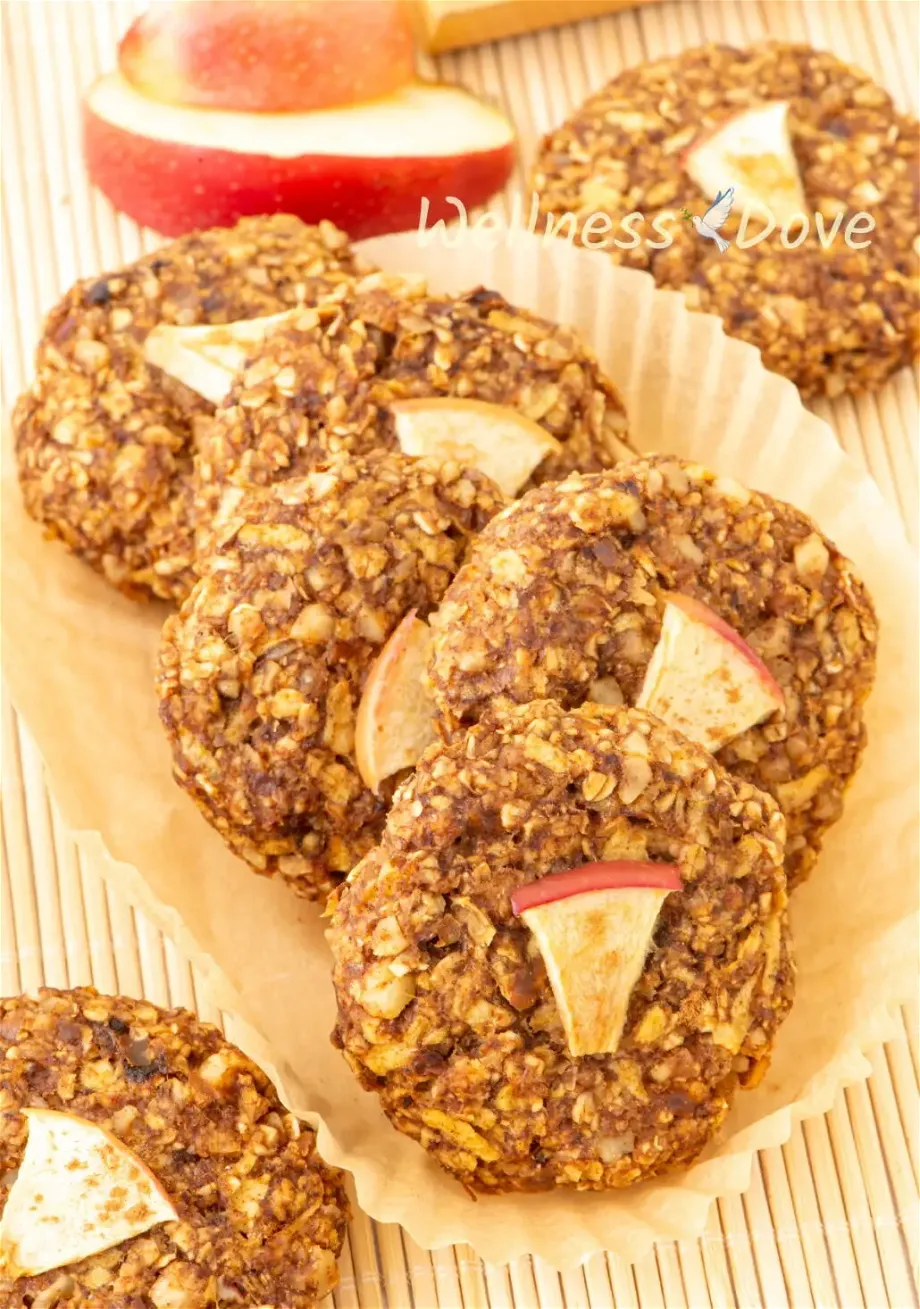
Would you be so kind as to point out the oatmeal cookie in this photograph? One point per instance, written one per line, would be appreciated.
(323, 385)
(445, 1007)
(103, 439)
(562, 597)
(261, 671)
(261, 1217)
(832, 320)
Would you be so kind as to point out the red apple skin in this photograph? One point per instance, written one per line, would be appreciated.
(281, 56)
(618, 875)
(701, 613)
(174, 188)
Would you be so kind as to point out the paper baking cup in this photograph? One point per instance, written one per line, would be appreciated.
(79, 660)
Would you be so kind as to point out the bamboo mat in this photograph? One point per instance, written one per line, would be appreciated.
(831, 1219)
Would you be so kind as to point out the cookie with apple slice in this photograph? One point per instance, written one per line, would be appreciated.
(569, 950)
(822, 268)
(265, 673)
(386, 364)
(145, 1160)
(104, 435)
(662, 585)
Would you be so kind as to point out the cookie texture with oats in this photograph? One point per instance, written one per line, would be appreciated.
(444, 1006)
(261, 1217)
(261, 671)
(562, 596)
(323, 385)
(833, 320)
(104, 440)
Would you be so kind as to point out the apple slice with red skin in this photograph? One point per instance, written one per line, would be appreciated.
(206, 359)
(751, 151)
(594, 927)
(704, 679)
(395, 720)
(284, 56)
(365, 167)
(502, 443)
(78, 1191)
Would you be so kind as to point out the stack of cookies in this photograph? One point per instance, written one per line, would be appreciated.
(550, 728)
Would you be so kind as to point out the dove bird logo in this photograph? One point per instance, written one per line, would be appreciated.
(714, 218)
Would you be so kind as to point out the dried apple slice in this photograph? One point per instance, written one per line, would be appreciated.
(395, 720)
(79, 1191)
(502, 443)
(704, 679)
(206, 359)
(594, 926)
(751, 151)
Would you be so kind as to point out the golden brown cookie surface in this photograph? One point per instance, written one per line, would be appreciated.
(445, 1008)
(261, 1217)
(104, 439)
(833, 320)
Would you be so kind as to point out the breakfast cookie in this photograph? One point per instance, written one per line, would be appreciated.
(766, 657)
(568, 951)
(261, 670)
(103, 438)
(154, 1107)
(791, 129)
(328, 382)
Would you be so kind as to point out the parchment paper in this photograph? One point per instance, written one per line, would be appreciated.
(79, 660)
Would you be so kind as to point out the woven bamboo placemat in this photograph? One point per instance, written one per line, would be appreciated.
(830, 1220)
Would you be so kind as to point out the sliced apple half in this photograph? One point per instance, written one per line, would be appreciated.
(79, 1191)
(395, 720)
(751, 151)
(207, 359)
(502, 443)
(594, 927)
(704, 679)
(366, 167)
(283, 56)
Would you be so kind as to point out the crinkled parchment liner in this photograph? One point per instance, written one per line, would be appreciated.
(79, 662)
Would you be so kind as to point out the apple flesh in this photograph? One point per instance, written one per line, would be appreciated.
(704, 679)
(594, 926)
(284, 56)
(364, 167)
(502, 443)
(751, 151)
(206, 359)
(395, 720)
(79, 1190)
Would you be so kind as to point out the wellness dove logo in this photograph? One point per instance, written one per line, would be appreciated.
(714, 218)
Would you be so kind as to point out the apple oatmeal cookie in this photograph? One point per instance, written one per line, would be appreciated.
(460, 1008)
(326, 383)
(103, 438)
(260, 1217)
(564, 596)
(262, 668)
(832, 319)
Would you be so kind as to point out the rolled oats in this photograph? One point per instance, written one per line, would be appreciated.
(261, 1217)
(588, 616)
(262, 669)
(474, 1062)
(833, 320)
(103, 439)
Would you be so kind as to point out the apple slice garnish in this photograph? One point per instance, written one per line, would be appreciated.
(284, 56)
(365, 167)
(502, 443)
(207, 359)
(704, 679)
(751, 151)
(79, 1190)
(395, 720)
(594, 927)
